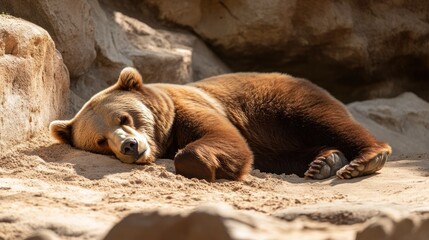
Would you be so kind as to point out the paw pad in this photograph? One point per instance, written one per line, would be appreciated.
(326, 166)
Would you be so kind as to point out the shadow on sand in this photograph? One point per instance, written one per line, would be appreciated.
(89, 165)
(95, 166)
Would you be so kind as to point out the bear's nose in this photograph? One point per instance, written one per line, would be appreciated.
(130, 146)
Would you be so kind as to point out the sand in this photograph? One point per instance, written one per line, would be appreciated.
(80, 195)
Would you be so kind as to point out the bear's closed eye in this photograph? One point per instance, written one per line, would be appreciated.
(101, 141)
(124, 120)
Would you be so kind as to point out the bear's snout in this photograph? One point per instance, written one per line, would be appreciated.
(130, 146)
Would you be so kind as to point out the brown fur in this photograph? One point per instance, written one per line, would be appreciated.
(218, 127)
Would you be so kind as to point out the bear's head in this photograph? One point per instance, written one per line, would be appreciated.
(119, 120)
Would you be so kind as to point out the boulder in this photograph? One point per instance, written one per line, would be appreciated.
(209, 221)
(169, 55)
(43, 234)
(156, 57)
(68, 22)
(355, 49)
(34, 82)
(395, 226)
(403, 122)
(220, 221)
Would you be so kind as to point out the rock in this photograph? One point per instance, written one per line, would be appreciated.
(155, 56)
(98, 41)
(110, 41)
(160, 54)
(403, 122)
(44, 234)
(68, 22)
(83, 88)
(156, 225)
(111, 46)
(164, 66)
(354, 49)
(212, 221)
(396, 227)
(205, 63)
(338, 214)
(173, 56)
(34, 82)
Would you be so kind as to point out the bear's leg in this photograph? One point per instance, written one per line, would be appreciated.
(326, 164)
(213, 147)
(330, 124)
(211, 159)
(368, 162)
(189, 164)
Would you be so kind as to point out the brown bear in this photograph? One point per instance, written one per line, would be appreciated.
(221, 126)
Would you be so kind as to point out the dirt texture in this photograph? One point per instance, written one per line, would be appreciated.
(80, 195)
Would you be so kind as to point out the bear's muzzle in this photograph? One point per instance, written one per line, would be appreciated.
(130, 146)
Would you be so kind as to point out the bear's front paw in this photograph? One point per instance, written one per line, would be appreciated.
(190, 165)
(326, 165)
(361, 167)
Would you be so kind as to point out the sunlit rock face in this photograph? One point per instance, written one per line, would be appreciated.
(34, 82)
(68, 22)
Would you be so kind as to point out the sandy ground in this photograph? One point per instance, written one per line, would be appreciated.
(80, 195)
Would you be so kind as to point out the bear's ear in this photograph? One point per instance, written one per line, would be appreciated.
(130, 79)
(61, 130)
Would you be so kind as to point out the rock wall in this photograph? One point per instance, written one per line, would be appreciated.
(98, 39)
(356, 49)
(69, 24)
(34, 82)
(403, 122)
(124, 37)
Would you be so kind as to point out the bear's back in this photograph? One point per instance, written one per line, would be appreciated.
(259, 93)
(265, 103)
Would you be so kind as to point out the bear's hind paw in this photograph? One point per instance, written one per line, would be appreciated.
(358, 167)
(326, 165)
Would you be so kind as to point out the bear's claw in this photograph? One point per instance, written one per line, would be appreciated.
(358, 168)
(326, 165)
